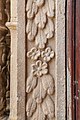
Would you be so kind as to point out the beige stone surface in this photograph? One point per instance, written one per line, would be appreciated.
(60, 61)
(40, 83)
(37, 60)
(13, 65)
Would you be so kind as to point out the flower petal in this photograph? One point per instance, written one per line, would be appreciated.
(44, 65)
(42, 54)
(39, 63)
(52, 54)
(48, 50)
(30, 53)
(48, 59)
(44, 71)
(45, 59)
(34, 67)
(39, 73)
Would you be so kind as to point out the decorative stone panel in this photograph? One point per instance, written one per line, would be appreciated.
(40, 83)
(37, 85)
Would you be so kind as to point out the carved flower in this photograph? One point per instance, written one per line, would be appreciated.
(33, 53)
(39, 68)
(47, 55)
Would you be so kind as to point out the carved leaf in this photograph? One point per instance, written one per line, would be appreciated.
(31, 9)
(39, 2)
(31, 107)
(31, 83)
(31, 30)
(49, 29)
(48, 83)
(39, 93)
(40, 19)
(49, 8)
(41, 39)
(48, 107)
(39, 115)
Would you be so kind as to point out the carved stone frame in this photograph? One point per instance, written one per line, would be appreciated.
(18, 57)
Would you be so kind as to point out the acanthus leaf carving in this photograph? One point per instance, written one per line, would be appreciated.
(40, 19)
(39, 115)
(39, 93)
(39, 2)
(31, 9)
(49, 29)
(48, 84)
(40, 39)
(49, 8)
(31, 83)
(40, 84)
(48, 108)
(31, 107)
(39, 24)
(31, 30)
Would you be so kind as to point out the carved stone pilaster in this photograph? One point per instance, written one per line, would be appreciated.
(3, 57)
(40, 83)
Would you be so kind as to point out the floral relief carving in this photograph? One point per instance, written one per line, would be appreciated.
(47, 55)
(40, 84)
(40, 15)
(33, 53)
(39, 68)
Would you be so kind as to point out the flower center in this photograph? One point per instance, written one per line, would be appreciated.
(39, 68)
(48, 54)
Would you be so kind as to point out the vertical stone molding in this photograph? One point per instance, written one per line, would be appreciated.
(40, 83)
(17, 66)
(12, 25)
(60, 87)
(21, 60)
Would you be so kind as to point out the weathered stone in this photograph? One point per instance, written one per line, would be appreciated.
(37, 40)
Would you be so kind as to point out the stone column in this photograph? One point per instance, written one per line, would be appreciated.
(17, 66)
(13, 64)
